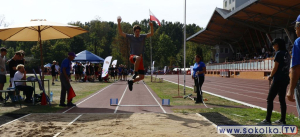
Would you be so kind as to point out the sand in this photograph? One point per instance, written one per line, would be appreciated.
(116, 125)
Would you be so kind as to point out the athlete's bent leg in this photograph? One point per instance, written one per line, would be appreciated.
(138, 78)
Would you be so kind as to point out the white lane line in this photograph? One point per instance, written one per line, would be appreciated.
(121, 99)
(220, 85)
(247, 96)
(57, 134)
(230, 99)
(211, 123)
(88, 98)
(14, 120)
(241, 102)
(138, 105)
(155, 99)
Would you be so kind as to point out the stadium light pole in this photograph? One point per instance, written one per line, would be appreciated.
(184, 45)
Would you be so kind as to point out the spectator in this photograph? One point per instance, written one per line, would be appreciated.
(57, 70)
(21, 75)
(13, 66)
(2, 70)
(53, 73)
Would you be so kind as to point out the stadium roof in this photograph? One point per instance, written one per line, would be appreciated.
(254, 16)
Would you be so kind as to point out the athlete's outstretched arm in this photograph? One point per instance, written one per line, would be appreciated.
(151, 30)
(120, 29)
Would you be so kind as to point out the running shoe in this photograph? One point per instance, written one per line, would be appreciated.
(279, 122)
(135, 75)
(264, 122)
(130, 83)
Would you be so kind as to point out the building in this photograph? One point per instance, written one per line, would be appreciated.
(240, 33)
(233, 4)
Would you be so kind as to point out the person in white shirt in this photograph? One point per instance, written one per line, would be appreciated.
(57, 70)
(21, 75)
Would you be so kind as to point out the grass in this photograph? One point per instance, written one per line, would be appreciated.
(244, 116)
(82, 90)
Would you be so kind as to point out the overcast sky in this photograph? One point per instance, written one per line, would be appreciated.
(65, 11)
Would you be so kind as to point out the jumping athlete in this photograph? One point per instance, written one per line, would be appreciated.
(137, 43)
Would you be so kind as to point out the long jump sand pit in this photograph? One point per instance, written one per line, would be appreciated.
(117, 125)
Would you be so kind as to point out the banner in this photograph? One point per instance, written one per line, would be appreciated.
(106, 65)
(114, 63)
(165, 69)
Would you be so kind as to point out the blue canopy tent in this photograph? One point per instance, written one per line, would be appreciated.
(86, 56)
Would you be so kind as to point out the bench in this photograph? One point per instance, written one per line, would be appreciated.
(6, 91)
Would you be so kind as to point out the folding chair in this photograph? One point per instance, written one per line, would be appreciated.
(41, 86)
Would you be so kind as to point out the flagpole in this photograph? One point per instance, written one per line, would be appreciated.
(184, 44)
(151, 57)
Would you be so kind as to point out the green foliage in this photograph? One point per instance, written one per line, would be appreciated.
(103, 40)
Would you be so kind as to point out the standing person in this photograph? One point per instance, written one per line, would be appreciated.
(295, 70)
(76, 71)
(80, 71)
(92, 71)
(64, 80)
(57, 70)
(120, 72)
(125, 72)
(96, 70)
(21, 60)
(53, 73)
(112, 72)
(280, 78)
(87, 71)
(13, 66)
(137, 43)
(199, 70)
(2, 70)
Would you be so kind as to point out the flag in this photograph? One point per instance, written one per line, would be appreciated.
(44, 99)
(114, 63)
(106, 65)
(153, 18)
(71, 94)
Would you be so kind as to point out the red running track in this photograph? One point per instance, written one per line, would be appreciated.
(253, 92)
(140, 100)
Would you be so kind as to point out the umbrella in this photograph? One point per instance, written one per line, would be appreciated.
(47, 65)
(38, 30)
(88, 56)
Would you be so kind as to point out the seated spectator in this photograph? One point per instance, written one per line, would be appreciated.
(21, 75)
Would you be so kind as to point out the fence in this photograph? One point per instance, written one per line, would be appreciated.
(246, 65)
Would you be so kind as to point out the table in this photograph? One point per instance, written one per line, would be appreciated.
(33, 85)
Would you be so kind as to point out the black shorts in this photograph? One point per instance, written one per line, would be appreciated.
(76, 72)
(2, 79)
(54, 74)
(141, 72)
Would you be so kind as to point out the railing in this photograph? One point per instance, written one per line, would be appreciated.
(246, 65)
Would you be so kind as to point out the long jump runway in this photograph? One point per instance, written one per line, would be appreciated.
(139, 113)
(251, 92)
(140, 100)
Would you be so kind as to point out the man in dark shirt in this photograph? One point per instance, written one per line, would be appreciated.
(53, 71)
(21, 60)
(12, 66)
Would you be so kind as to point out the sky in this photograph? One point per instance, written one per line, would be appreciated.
(64, 11)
